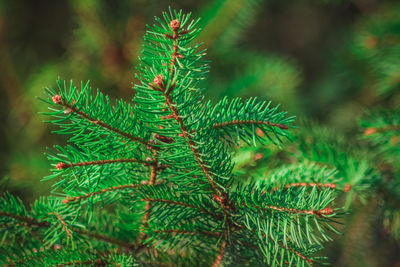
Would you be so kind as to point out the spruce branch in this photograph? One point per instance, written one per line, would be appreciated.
(156, 178)
(62, 165)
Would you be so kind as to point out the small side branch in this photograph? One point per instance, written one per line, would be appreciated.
(152, 180)
(27, 220)
(63, 165)
(72, 108)
(65, 227)
(244, 122)
(319, 213)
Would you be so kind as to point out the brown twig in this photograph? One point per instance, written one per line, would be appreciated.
(319, 213)
(65, 227)
(152, 180)
(72, 108)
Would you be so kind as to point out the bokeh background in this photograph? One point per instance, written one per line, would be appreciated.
(326, 60)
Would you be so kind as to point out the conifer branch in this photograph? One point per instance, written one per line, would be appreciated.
(27, 220)
(319, 213)
(72, 108)
(63, 165)
(158, 80)
(241, 122)
(333, 186)
(294, 251)
(318, 185)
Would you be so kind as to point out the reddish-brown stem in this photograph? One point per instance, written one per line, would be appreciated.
(318, 185)
(180, 231)
(27, 220)
(74, 109)
(218, 260)
(175, 26)
(175, 37)
(240, 122)
(67, 200)
(152, 180)
(346, 188)
(191, 144)
(65, 227)
(219, 196)
(319, 213)
(63, 165)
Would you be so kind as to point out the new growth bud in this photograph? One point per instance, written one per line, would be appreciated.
(56, 99)
(370, 131)
(61, 166)
(175, 24)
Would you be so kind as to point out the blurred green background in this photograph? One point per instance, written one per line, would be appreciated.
(326, 60)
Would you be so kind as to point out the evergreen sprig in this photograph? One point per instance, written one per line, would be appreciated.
(154, 180)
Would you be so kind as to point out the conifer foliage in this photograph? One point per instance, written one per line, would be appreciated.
(151, 183)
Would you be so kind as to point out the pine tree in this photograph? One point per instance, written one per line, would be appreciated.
(152, 183)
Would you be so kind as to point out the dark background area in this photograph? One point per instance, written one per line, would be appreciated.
(326, 60)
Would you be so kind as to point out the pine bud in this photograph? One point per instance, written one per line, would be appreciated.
(258, 156)
(56, 99)
(175, 24)
(159, 80)
(347, 188)
(370, 131)
(61, 166)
